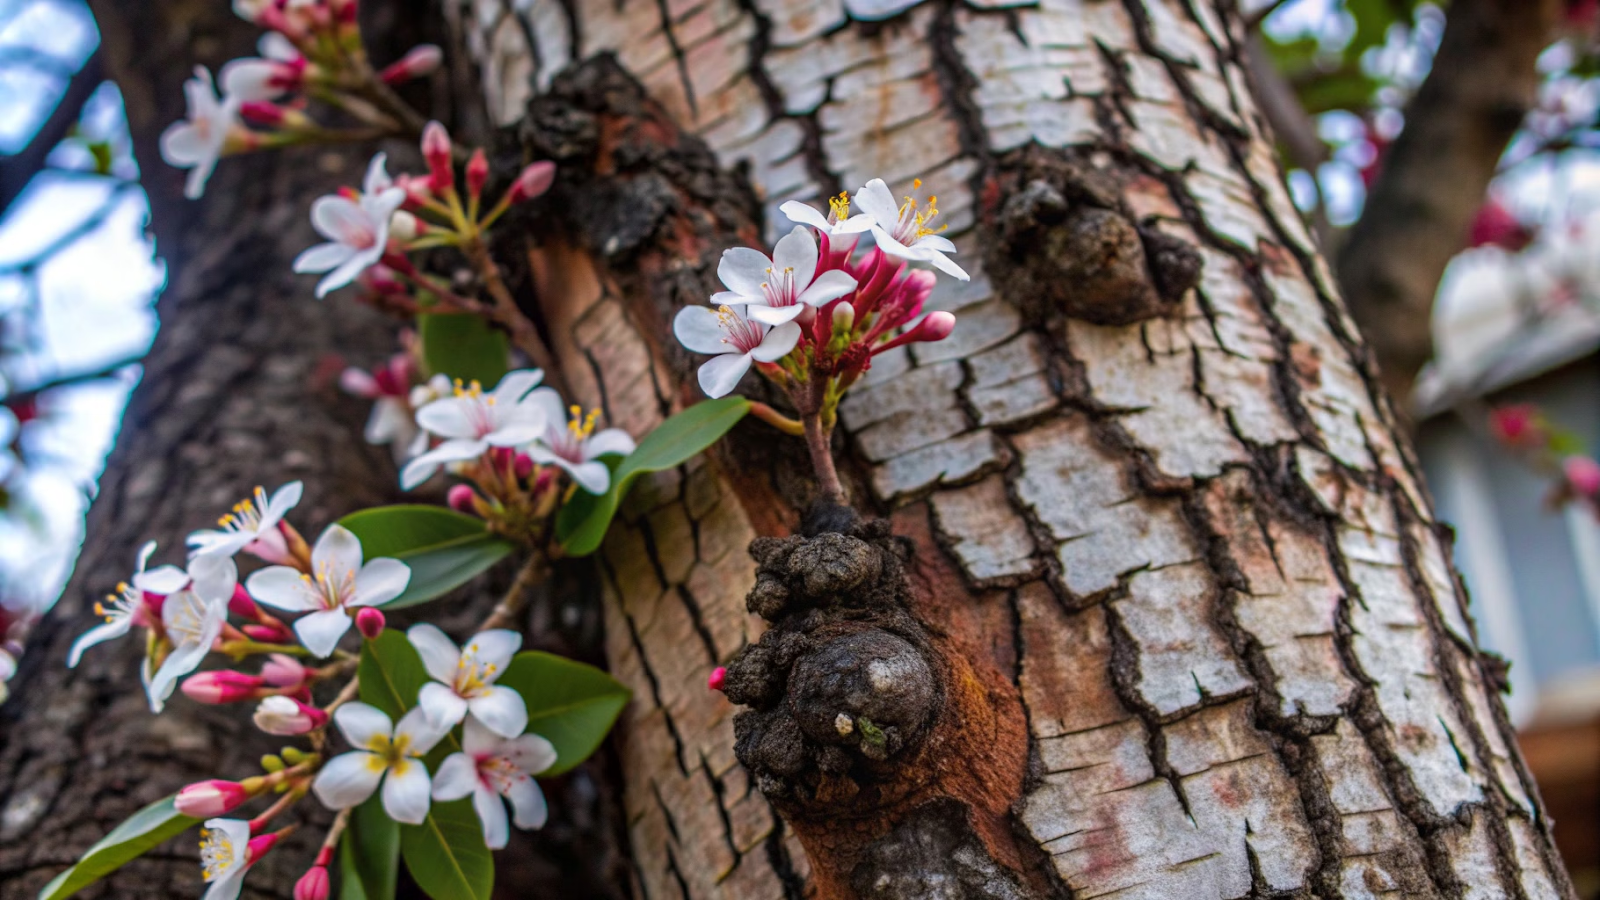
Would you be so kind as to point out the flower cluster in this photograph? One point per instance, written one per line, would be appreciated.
(812, 316)
(312, 48)
(390, 217)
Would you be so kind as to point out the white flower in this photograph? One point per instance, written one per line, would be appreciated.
(902, 230)
(338, 581)
(357, 230)
(266, 77)
(574, 445)
(837, 221)
(490, 767)
(191, 621)
(781, 288)
(127, 607)
(224, 856)
(468, 677)
(735, 339)
(381, 748)
(471, 422)
(253, 526)
(197, 142)
(387, 386)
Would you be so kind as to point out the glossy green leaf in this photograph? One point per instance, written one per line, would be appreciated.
(139, 834)
(570, 704)
(369, 854)
(462, 346)
(582, 523)
(444, 548)
(446, 854)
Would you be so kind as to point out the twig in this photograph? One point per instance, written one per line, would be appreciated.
(822, 460)
(506, 312)
(516, 598)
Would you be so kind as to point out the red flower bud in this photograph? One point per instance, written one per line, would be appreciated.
(419, 61)
(261, 112)
(936, 326)
(1583, 474)
(268, 634)
(369, 622)
(534, 180)
(477, 172)
(209, 799)
(313, 885)
(224, 686)
(283, 670)
(242, 604)
(719, 677)
(259, 846)
(436, 149)
(1516, 425)
(522, 467)
(461, 498)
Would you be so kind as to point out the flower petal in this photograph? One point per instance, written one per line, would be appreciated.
(214, 577)
(774, 315)
(320, 632)
(443, 706)
(491, 812)
(721, 374)
(514, 386)
(452, 417)
(362, 724)
(338, 551)
(531, 753)
(493, 648)
(527, 802)
(743, 270)
(501, 710)
(440, 656)
(777, 343)
(281, 587)
(98, 635)
(282, 500)
(322, 257)
(456, 778)
(478, 740)
(377, 180)
(830, 285)
(608, 442)
(380, 581)
(805, 215)
(421, 732)
(876, 200)
(180, 662)
(699, 328)
(422, 468)
(797, 250)
(947, 266)
(348, 270)
(349, 778)
(551, 409)
(163, 580)
(936, 242)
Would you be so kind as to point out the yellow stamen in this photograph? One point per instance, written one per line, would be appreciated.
(839, 207)
(216, 852)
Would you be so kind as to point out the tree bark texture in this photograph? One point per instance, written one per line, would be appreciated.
(1434, 176)
(1166, 544)
(237, 391)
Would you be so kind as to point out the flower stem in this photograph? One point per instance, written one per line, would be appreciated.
(776, 419)
(516, 599)
(822, 460)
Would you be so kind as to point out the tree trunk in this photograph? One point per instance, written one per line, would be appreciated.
(1198, 632)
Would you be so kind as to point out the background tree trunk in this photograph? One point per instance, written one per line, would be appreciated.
(1187, 559)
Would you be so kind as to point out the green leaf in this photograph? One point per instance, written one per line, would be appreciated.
(581, 525)
(142, 832)
(570, 704)
(444, 548)
(446, 853)
(462, 346)
(369, 854)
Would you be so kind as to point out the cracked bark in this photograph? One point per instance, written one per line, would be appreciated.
(234, 393)
(1180, 547)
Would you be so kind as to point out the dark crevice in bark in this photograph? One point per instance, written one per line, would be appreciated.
(811, 143)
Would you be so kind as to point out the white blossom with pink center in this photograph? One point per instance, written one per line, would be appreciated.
(573, 445)
(905, 229)
(473, 420)
(357, 230)
(779, 289)
(338, 583)
(734, 339)
(490, 767)
(197, 142)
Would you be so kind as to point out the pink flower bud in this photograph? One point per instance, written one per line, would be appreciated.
(287, 717)
(419, 61)
(534, 180)
(936, 326)
(222, 686)
(313, 885)
(209, 799)
(369, 622)
(268, 634)
(261, 112)
(436, 149)
(477, 172)
(283, 670)
(1583, 474)
(242, 604)
(461, 498)
(1516, 425)
(719, 676)
(259, 846)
